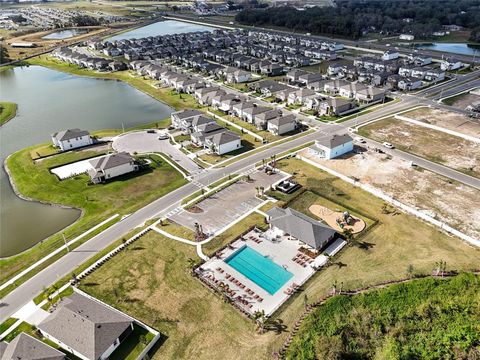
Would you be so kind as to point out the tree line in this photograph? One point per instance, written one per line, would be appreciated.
(353, 18)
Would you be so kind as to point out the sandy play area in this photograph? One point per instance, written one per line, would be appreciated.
(330, 217)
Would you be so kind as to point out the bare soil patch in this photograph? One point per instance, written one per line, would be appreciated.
(449, 150)
(453, 203)
(447, 119)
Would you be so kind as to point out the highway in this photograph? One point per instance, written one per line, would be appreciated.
(68, 263)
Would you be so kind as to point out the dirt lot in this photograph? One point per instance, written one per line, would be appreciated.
(462, 101)
(437, 146)
(446, 119)
(456, 204)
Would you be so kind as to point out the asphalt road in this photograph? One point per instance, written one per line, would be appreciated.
(428, 165)
(68, 263)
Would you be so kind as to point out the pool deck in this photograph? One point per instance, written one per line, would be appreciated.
(282, 251)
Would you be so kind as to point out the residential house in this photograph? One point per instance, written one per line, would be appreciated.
(239, 76)
(85, 327)
(333, 87)
(390, 55)
(300, 96)
(282, 124)
(109, 166)
(294, 75)
(409, 83)
(71, 139)
(350, 90)
(370, 94)
(179, 116)
(223, 143)
(449, 64)
(25, 346)
(250, 114)
(334, 106)
(261, 119)
(309, 78)
(314, 234)
(238, 110)
(334, 146)
(407, 37)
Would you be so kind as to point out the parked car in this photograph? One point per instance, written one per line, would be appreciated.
(360, 140)
(163, 136)
(388, 145)
(151, 131)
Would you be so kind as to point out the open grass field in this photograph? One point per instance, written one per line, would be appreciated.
(425, 319)
(8, 110)
(153, 282)
(98, 202)
(452, 151)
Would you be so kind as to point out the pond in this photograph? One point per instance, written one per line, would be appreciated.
(162, 28)
(455, 48)
(64, 34)
(49, 101)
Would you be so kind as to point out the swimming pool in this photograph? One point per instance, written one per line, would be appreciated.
(259, 269)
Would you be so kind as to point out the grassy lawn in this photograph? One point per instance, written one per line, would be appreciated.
(234, 232)
(165, 95)
(6, 324)
(436, 146)
(453, 99)
(177, 230)
(124, 195)
(154, 284)
(8, 110)
(425, 319)
(133, 345)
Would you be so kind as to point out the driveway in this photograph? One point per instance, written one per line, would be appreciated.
(143, 142)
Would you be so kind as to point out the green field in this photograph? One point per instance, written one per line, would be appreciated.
(8, 110)
(98, 202)
(422, 319)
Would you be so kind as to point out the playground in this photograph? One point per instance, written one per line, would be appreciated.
(337, 219)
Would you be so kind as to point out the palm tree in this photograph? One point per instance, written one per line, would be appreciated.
(261, 319)
(348, 233)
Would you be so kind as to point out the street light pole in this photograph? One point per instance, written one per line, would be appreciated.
(65, 241)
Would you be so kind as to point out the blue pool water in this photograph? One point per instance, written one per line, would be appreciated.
(259, 269)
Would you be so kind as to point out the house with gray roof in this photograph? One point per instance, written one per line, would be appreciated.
(282, 124)
(27, 347)
(109, 166)
(223, 142)
(85, 327)
(309, 231)
(330, 147)
(71, 139)
(179, 116)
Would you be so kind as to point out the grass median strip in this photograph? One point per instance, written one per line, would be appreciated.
(8, 110)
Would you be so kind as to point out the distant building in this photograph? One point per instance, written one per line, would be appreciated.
(86, 327)
(406, 37)
(110, 166)
(27, 347)
(22, 45)
(333, 146)
(390, 55)
(71, 139)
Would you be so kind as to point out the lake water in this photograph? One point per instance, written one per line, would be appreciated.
(456, 48)
(49, 101)
(64, 34)
(161, 28)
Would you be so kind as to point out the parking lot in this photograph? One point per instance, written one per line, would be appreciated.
(227, 205)
(144, 142)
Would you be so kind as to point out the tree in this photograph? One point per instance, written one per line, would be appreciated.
(440, 268)
(261, 320)
(348, 234)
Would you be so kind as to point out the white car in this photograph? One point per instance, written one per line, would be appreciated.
(163, 136)
(360, 140)
(388, 145)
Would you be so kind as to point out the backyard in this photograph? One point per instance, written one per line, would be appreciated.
(98, 202)
(449, 150)
(153, 282)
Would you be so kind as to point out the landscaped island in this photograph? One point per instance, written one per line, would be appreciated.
(422, 319)
(8, 110)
